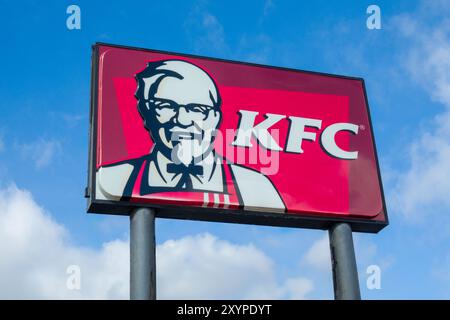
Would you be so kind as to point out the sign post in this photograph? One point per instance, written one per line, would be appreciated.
(142, 254)
(345, 273)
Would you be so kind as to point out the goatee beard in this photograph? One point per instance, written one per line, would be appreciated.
(186, 152)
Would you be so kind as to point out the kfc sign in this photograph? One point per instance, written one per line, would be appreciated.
(295, 136)
(207, 139)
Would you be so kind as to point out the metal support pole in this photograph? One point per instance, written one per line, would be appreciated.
(345, 274)
(142, 255)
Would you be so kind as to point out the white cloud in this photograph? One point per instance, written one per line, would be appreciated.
(405, 24)
(268, 5)
(42, 152)
(204, 267)
(214, 31)
(296, 288)
(247, 52)
(425, 184)
(206, 31)
(318, 256)
(72, 120)
(208, 36)
(36, 252)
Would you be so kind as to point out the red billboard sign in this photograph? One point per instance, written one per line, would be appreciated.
(209, 139)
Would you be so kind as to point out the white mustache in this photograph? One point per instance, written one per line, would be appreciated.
(191, 132)
(194, 129)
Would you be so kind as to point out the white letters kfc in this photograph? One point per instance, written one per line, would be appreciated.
(296, 134)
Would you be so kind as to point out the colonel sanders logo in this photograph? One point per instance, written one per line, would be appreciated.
(180, 105)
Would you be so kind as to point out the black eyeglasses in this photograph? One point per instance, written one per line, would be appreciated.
(191, 107)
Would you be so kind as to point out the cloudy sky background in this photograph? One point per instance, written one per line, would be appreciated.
(44, 106)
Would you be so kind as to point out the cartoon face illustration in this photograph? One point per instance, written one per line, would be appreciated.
(180, 106)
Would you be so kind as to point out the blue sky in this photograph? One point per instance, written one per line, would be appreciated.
(44, 108)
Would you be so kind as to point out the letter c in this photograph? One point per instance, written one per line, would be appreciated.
(328, 140)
